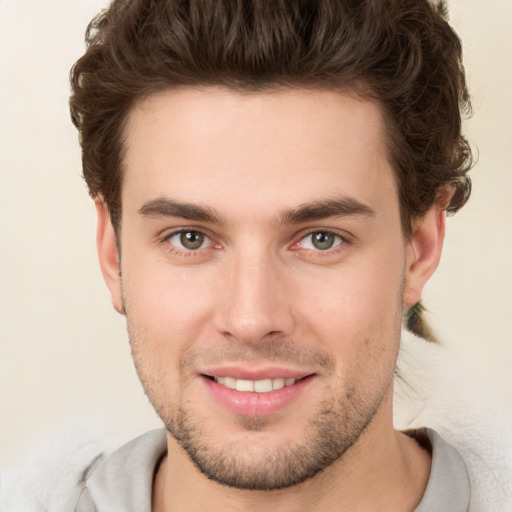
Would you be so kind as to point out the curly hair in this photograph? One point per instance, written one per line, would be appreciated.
(401, 54)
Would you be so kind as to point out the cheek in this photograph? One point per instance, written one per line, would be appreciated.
(356, 313)
(172, 302)
(166, 314)
(357, 296)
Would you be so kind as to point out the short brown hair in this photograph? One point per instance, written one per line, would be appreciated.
(402, 54)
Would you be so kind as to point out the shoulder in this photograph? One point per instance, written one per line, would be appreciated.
(124, 479)
(52, 476)
(49, 477)
(433, 391)
(448, 486)
(83, 463)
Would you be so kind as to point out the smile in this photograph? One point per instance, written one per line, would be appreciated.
(255, 386)
(257, 396)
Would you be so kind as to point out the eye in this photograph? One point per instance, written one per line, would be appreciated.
(321, 241)
(189, 240)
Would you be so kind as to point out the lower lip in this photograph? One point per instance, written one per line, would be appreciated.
(249, 403)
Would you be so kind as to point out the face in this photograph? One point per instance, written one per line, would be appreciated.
(263, 271)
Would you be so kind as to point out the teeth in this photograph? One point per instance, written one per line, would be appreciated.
(229, 382)
(263, 386)
(244, 385)
(257, 386)
(278, 383)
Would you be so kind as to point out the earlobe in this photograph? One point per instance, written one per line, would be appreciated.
(108, 254)
(423, 252)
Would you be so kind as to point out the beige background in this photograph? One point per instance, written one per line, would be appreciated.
(64, 357)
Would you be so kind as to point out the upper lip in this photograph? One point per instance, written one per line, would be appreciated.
(246, 373)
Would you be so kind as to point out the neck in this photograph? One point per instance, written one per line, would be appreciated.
(383, 470)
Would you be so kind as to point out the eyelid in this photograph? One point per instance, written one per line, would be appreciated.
(338, 239)
(206, 242)
(173, 247)
(331, 231)
(346, 240)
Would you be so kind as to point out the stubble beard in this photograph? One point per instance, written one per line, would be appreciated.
(330, 432)
(328, 435)
(337, 424)
(332, 429)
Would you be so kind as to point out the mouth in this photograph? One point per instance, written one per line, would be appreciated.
(261, 395)
(255, 386)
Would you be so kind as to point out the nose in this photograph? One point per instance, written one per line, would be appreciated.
(253, 303)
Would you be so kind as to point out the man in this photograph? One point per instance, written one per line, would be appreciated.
(271, 181)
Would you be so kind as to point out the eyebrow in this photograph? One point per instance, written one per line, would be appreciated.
(316, 210)
(164, 207)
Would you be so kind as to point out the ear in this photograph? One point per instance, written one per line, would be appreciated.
(423, 252)
(109, 254)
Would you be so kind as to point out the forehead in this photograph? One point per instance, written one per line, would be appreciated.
(255, 152)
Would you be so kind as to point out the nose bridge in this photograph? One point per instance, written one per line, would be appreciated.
(254, 302)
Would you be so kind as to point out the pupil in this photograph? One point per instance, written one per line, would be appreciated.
(323, 241)
(192, 239)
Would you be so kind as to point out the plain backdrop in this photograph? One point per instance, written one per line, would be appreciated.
(64, 355)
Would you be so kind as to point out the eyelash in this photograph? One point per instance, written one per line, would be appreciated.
(340, 241)
(188, 253)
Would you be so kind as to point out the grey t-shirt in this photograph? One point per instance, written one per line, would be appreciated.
(123, 481)
(448, 487)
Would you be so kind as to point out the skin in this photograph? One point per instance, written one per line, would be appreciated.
(258, 294)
